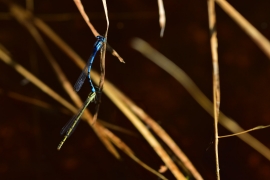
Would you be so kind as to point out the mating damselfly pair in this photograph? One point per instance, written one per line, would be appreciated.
(71, 125)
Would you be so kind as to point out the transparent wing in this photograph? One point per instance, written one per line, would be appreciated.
(69, 124)
(81, 79)
(74, 121)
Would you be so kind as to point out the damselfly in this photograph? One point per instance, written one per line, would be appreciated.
(74, 121)
(86, 71)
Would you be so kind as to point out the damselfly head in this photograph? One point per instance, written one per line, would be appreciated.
(101, 38)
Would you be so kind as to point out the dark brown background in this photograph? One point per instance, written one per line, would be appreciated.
(29, 135)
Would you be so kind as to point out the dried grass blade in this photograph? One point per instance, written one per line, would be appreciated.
(162, 17)
(254, 34)
(176, 72)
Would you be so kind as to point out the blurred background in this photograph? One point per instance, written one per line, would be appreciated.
(29, 134)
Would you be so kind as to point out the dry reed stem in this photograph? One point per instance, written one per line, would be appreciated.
(156, 128)
(22, 17)
(128, 151)
(162, 17)
(251, 31)
(92, 28)
(176, 72)
(216, 83)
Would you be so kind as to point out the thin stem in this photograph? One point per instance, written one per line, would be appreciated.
(216, 89)
(102, 60)
(253, 129)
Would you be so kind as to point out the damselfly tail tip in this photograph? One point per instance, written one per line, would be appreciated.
(59, 146)
(61, 143)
